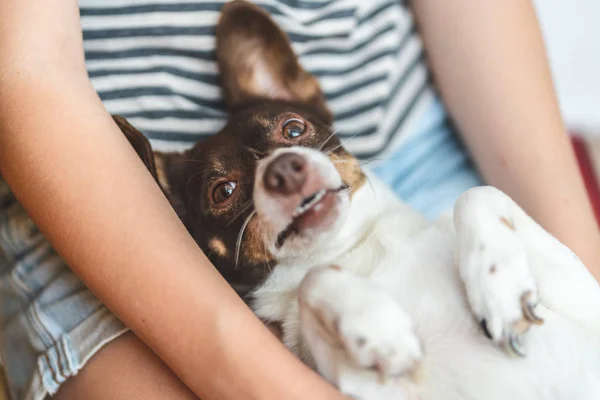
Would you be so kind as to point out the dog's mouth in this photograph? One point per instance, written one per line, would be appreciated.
(309, 213)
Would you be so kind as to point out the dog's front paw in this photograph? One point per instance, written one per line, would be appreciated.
(500, 286)
(357, 316)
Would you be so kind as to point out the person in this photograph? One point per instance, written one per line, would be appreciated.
(71, 171)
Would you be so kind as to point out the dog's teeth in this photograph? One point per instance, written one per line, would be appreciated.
(301, 209)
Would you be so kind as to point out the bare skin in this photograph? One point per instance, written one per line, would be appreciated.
(489, 60)
(49, 108)
(116, 374)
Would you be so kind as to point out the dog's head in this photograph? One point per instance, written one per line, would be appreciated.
(275, 182)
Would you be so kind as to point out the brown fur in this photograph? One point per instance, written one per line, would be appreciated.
(265, 65)
(217, 246)
(508, 223)
(254, 249)
(139, 143)
(254, 58)
(349, 169)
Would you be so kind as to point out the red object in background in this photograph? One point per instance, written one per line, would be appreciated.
(589, 164)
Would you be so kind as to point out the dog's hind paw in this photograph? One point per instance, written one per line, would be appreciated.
(507, 331)
(494, 267)
(357, 316)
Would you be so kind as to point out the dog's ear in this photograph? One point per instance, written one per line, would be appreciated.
(256, 60)
(139, 142)
(162, 166)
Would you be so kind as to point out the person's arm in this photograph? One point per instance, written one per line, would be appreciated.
(489, 61)
(76, 175)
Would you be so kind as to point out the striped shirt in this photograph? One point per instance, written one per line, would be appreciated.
(153, 62)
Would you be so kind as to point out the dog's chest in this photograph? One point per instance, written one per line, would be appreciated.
(417, 269)
(421, 273)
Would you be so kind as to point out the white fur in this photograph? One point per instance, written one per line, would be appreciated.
(400, 320)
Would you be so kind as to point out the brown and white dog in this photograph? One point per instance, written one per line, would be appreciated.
(381, 302)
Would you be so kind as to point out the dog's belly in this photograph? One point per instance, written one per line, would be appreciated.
(563, 361)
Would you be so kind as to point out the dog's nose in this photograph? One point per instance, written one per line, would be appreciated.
(286, 174)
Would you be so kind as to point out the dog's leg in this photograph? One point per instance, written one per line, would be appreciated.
(360, 338)
(508, 263)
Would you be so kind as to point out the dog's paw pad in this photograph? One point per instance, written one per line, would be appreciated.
(385, 345)
(501, 291)
(495, 267)
(360, 317)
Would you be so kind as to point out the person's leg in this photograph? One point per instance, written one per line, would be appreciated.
(124, 369)
(56, 337)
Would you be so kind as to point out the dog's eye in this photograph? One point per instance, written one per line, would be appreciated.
(293, 128)
(223, 191)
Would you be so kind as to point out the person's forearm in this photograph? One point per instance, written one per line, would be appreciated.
(76, 175)
(73, 171)
(489, 61)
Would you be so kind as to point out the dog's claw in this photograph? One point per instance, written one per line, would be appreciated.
(528, 306)
(514, 347)
(485, 329)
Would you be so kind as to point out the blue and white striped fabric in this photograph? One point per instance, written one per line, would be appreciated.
(153, 61)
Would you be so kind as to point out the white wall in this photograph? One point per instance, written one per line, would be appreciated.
(572, 32)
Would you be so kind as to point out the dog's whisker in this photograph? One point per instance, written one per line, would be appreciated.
(266, 262)
(209, 254)
(369, 160)
(193, 176)
(349, 160)
(188, 160)
(340, 145)
(255, 155)
(374, 191)
(267, 252)
(363, 162)
(330, 151)
(245, 207)
(269, 265)
(279, 89)
(320, 147)
(238, 243)
(255, 151)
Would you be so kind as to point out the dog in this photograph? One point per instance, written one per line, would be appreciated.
(482, 304)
